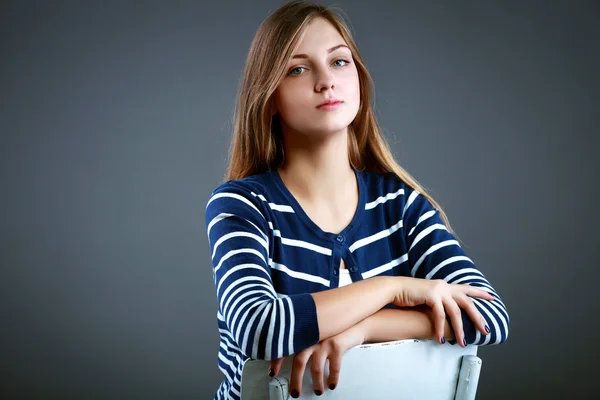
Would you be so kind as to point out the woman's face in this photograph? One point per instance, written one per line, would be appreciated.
(320, 69)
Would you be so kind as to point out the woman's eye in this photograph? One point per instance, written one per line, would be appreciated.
(296, 72)
(295, 69)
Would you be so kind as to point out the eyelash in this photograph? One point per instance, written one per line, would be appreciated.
(339, 59)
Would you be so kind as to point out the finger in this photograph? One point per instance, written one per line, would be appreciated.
(475, 292)
(453, 311)
(317, 369)
(335, 366)
(439, 320)
(275, 366)
(298, 367)
(469, 306)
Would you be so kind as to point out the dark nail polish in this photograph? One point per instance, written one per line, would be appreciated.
(465, 341)
(271, 373)
(487, 329)
(332, 386)
(443, 340)
(295, 394)
(318, 392)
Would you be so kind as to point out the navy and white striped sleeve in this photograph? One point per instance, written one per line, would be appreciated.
(264, 324)
(434, 253)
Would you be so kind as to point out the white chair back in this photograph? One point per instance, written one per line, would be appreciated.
(403, 369)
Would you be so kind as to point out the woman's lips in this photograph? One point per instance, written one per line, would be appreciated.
(330, 106)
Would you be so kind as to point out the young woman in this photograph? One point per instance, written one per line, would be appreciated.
(320, 241)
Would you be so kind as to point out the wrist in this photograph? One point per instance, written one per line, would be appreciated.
(394, 287)
(391, 287)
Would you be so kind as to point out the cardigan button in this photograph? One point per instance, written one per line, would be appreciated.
(352, 269)
(340, 239)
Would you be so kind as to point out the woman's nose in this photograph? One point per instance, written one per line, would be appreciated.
(324, 81)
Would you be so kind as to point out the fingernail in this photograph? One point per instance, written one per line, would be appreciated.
(332, 386)
(443, 340)
(465, 341)
(487, 329)
(271, 373)
(318, 392)
(295, 394)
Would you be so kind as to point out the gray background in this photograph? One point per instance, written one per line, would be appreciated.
(115, 122)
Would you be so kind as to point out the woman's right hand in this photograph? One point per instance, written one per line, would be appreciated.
(443, 298)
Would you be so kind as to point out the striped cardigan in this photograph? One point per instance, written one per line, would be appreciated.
(268, 256)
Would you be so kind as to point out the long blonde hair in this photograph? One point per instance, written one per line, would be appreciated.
(257, 139)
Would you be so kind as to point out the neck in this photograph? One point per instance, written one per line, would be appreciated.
(318, 170)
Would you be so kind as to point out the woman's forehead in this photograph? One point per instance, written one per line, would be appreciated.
(320, 36)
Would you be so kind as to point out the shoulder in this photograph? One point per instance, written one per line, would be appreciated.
(391, 193)
(382, 181)
(239, 194)
(252, 186)
(382, 187)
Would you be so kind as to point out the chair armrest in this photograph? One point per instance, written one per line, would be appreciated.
(468, 378)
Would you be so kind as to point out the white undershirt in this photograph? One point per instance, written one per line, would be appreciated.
(344, 277)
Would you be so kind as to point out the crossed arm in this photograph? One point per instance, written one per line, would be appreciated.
(402, 323)
(383, 326)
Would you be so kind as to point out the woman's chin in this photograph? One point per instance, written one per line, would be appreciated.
(331, 126)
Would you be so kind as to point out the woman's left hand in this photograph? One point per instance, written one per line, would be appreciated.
(333, 349)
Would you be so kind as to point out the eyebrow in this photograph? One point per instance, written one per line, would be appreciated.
(328, 51)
